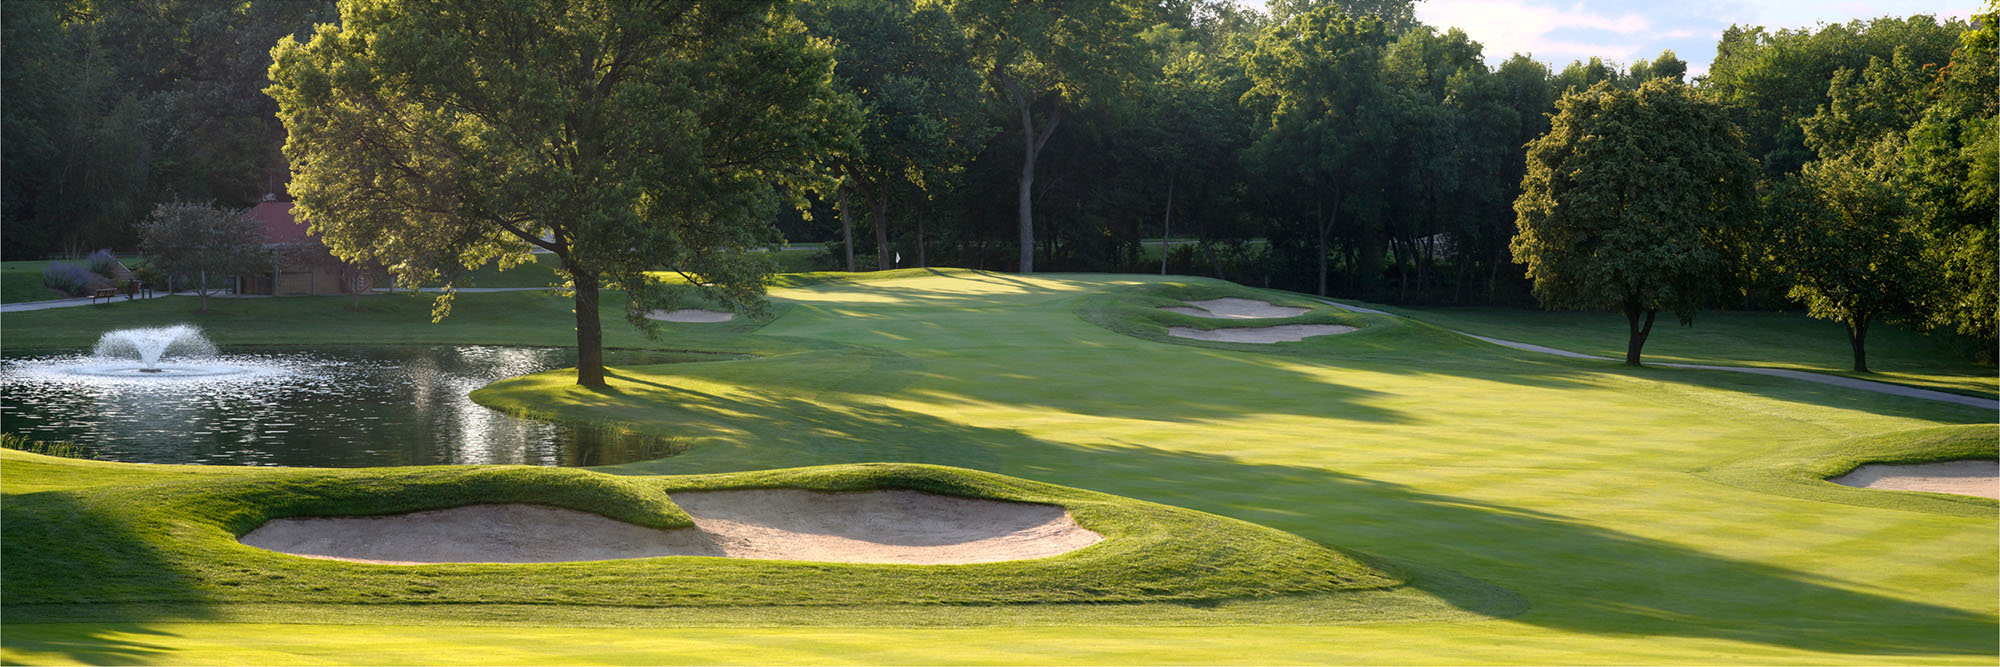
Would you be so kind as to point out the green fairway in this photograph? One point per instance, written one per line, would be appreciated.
(1777, 340)
(1541, 509)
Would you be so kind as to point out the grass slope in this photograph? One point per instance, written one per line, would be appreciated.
(174, 543)
(22, 281)
(1586, 492)
(1803, 471)
(1776, 340)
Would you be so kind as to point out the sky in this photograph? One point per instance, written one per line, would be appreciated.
(1560, 31)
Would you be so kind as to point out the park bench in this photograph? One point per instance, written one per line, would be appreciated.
(105, 293)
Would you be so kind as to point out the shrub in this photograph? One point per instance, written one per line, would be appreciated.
(71, 279)
(103, 263)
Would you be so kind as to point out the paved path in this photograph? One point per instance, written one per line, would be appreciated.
(1805, 376)
(467, 290)
(65, 303)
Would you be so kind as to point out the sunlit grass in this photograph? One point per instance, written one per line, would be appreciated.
(1633, 514)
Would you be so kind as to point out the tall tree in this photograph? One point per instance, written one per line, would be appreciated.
(115, 106)
(1951, 159)
(440, 136)
(1629, 202)
(1396, 15)
(1316, 82)
(1042, 57)
(1667, 66)
(906, 65)
(1844, 236)
(1771, 80)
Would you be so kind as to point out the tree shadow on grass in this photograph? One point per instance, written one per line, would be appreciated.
(62, 556)
(1575, 576)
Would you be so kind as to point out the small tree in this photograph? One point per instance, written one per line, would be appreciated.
(1846, 239)
(1630, 201)
(191, 240)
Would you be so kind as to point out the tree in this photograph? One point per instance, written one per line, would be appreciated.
(116, 106)
(1668, 66)
(1845, 237)
(1630, 201)
(1842, 233)
(1396, 15)
(1771, 80)
(1041, 58)
(1950, 172)
(199, 241)
(623, 138)
(906, 67)
(1316, 79)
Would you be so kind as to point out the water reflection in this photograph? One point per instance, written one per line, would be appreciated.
(326, 406)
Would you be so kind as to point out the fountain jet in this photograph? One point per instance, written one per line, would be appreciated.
(149, 345)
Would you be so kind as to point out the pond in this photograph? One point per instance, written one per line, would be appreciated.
(323, 407)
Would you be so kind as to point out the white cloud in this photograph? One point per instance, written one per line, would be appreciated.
(1776, 14)
(1509, 26)
(1560, 31)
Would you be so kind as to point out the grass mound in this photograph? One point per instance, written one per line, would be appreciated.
(174, 541)
(1136, 310)
(1803, 471)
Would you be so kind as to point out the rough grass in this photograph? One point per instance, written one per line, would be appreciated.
(1571, 510)
(1938, 361)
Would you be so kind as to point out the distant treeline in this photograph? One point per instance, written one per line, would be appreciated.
(1337, 147)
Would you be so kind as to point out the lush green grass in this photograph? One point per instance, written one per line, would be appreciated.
(1803, 471)
(112, 544)
(1569, 509)
(1777, 340)
(22, 281)
(542, 271)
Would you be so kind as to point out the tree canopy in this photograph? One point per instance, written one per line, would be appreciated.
(1630, 201)
(200, 244)
(622, 138)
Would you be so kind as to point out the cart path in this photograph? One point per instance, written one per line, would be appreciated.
(1803, 376)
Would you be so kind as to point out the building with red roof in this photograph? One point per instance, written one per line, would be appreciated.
(302, 264)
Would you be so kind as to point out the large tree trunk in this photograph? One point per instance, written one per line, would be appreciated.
(589, 330)
(1857, 336)
(1032, 140)
(1322, 259)
(923, 259)
(1167, 228)
(846, 228)
(878, 210)
(1026, 215)
(1637, 341)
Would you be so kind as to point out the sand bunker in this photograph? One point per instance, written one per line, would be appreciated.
(1965, 478)
(892, 526)
(1235, 309)
(1286, 333)
(690, 315)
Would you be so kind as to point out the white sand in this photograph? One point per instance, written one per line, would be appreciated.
(1235, 309)
(1279, 334)
(690, 315)
(892, 526)
(1965, 478)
